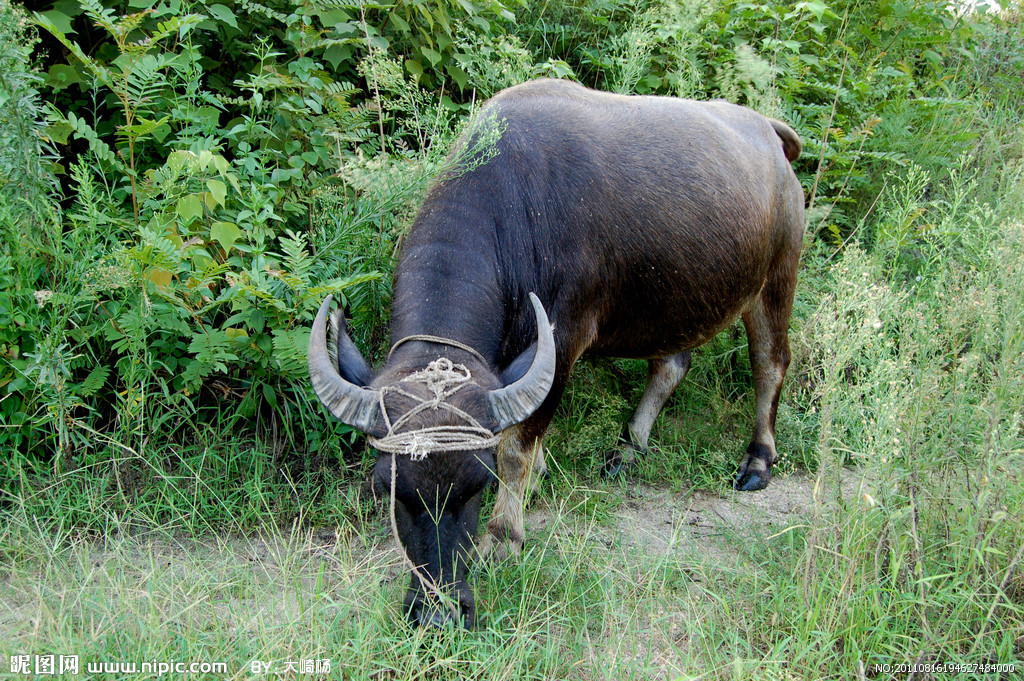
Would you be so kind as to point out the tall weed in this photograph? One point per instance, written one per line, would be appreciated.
(915, 375)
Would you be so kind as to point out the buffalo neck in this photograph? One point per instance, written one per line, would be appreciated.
(447, 282)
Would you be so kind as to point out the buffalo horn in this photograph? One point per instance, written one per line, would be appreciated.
(353, 405)
(513, 403)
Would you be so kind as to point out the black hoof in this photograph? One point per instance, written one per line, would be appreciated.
(619, 460)
(751, 482)
(748, 480)
(435, 618)
(614, 469)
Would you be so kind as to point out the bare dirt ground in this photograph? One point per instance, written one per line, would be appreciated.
(658, 521)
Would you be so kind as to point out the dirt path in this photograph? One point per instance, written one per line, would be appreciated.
(695, 522)
(657, 521)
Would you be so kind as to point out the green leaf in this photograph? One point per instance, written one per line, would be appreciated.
(331, 17)
(208, 115)
(220, 163)
(458, 75)
(189, 207)
(60, 20)
(399, 23)
(933, 57)
(143, 127)
(269, 396)
(336, 54)
(205, 159)
(61, 76)
(290, 351)
(94, 381)
(161, 277)
(223, 15)
(414, 67)
(818, 9)
(433, 56)
(469, 7)
(218, 190)
(225, 233)
(59, 131)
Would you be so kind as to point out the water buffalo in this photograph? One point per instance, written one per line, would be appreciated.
(619, 226)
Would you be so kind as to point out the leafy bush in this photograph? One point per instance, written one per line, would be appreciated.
(167, 279)
(228, 167)
(27, 222)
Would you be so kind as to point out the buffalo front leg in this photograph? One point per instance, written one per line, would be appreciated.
(767, 325)
(663, 377)
(520, 463)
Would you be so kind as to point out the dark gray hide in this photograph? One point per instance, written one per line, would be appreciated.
(645, 225)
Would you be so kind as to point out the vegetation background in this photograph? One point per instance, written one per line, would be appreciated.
(182, 183)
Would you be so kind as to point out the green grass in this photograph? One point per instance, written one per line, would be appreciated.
(897, 537)
(900, 542)
(141, 522)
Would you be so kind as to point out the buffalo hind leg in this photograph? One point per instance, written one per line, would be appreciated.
(663, 377)
(767, 324)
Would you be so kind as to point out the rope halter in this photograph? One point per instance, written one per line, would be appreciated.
(442, 379)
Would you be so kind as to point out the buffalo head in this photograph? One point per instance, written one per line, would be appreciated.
(435, 424)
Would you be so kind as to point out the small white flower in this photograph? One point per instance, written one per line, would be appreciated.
(42, 297)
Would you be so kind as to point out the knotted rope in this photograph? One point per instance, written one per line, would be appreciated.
(442, 379)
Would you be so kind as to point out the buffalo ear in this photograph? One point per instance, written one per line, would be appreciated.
(519, 366)
(517, 400)
(351, 403)
(352, 366)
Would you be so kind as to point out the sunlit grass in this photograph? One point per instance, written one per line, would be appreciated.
(899, 541)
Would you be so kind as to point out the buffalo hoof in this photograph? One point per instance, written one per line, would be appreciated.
(434, 615)
(496, 551)
(435, 618)
(751, 481)
(755, 472)
(618, 461)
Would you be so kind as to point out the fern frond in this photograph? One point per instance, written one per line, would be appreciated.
(94, 382)
(86, 132)
(290, 347)
(296, 259)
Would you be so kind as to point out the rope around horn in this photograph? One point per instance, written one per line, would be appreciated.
(443, 379)
(440, 341)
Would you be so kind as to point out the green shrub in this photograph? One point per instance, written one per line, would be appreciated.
(169, 289)
(229, 167)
